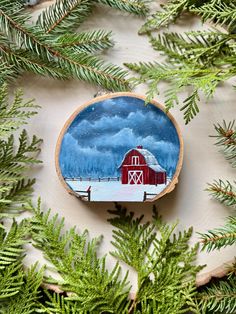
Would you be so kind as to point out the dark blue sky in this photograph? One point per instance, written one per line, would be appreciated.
(100, 135)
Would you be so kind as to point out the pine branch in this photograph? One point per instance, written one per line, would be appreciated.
(138, 7)
(224, 192)
(220, 237)
(226, 140)
(220, 297)
(64, 16)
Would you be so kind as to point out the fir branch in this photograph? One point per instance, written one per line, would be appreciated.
(220, 297)
(64, 16)
(86, 41)
(226, 140)
(224, 192)
(23, 60)
(138, 7)
(50, 58)
(220, 237)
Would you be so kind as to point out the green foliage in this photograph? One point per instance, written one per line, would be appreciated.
(226, 140)
(137, 7)
(197, 61)
(86, 41)
(64, 16)
(224, 192)
(75, 258)
(26, 300)
(15, 160)
(220, 237)
(219, 12)
(171, 10)
(51, 47)
(219, 297)
(164, 263)
(166, 275)
(16, 114)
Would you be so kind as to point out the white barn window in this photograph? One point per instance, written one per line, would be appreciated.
(135, 160)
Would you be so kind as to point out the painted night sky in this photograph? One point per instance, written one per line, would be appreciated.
(97, 140)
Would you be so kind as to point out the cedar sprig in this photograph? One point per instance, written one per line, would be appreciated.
(75, 258)
(26, 300)
(15, 158)
(156, 259)
(14, 114)
(169, 13)
(195, 63)
(219, 12)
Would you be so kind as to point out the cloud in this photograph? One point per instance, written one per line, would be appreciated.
(101, 134)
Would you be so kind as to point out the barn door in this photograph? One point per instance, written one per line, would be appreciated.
(135, 177)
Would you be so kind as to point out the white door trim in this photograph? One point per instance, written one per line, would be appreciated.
(136, 176)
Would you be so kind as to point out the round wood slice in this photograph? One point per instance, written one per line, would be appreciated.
(116, 148)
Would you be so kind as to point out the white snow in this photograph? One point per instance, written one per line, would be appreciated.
(115, 191)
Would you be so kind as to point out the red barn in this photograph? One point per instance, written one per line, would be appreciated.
(139, 166)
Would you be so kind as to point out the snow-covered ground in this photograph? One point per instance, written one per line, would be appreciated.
(115, 191)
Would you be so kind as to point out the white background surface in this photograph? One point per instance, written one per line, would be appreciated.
(188, 203)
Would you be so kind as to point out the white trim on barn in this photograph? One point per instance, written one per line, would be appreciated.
(135, 177)
(150, 159)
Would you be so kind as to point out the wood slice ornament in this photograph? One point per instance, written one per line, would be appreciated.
(116, 148)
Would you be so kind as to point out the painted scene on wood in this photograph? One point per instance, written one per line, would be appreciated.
(119, 149)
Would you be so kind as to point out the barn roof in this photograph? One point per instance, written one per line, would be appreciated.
(150, 159)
